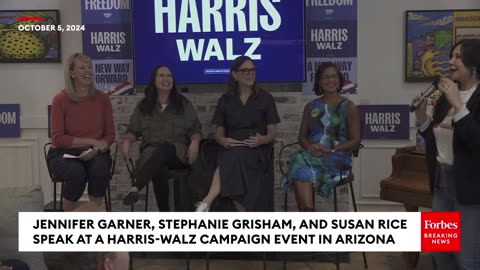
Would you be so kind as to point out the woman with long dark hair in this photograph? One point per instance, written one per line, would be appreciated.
(170, 130)
(452, 151)
(245, 119)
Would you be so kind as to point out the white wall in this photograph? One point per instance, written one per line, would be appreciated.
(33, 86)
(381, 31)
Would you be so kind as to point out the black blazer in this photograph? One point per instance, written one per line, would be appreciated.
(466, 149)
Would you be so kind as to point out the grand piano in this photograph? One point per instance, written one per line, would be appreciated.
(408, 184)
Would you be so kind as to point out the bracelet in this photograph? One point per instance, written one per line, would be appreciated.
(96, 149)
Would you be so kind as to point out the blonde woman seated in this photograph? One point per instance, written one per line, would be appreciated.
(81, 125)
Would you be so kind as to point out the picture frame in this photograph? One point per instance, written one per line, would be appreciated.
(19, 43)
(429, 37)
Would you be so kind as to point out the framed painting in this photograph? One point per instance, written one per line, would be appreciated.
(29, 36)
(430, 35)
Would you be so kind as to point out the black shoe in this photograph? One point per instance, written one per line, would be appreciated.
(130, 198)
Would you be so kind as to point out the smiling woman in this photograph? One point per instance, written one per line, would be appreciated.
(452, 150)
(330, 129)
(170, 131)
(81, 125)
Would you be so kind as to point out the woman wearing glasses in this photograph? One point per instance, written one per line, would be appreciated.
(246, 119)
(330, 128)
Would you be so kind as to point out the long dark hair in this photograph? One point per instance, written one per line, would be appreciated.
(316, 85)
(470, 52)
(232, 83)
(148, 103)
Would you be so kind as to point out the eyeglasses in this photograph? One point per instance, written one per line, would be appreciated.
(248, 71)
(327, 78)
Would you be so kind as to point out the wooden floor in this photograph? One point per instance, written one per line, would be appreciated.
(376, 261)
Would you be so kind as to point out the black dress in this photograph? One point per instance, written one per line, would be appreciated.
(243, 169)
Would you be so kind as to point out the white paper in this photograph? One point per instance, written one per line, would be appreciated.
(72, 156)
(69, 156)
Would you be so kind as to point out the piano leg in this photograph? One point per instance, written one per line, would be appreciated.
(411, 258)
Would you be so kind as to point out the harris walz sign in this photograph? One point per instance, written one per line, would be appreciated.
(385, 122)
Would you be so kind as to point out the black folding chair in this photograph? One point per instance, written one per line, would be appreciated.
(55, 179)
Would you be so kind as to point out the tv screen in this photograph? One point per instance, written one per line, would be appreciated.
(199, 40)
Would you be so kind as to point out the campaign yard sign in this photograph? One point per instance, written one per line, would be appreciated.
(385, 122)
(9, 120)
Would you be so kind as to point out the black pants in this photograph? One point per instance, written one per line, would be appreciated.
(156, 168)
(76, 173)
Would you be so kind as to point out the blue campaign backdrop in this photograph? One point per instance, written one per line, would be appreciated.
(204, 56)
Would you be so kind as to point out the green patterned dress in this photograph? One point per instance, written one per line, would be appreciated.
(327, 124)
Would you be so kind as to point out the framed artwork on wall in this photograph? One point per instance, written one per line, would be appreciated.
(430, 35)
(29, 36)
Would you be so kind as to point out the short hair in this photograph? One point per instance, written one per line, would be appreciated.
(69, 84)
(316, 85)
(470, 51)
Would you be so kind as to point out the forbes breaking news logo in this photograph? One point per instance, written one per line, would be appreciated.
(441, 231)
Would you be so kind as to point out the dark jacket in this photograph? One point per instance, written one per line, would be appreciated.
(466, 149)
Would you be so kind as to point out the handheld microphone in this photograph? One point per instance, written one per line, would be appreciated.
(426, 94)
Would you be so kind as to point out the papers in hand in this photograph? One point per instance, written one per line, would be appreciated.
(69, 156)
(239, 143)
(72, 156)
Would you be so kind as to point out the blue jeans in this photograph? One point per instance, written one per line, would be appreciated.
(444, 200)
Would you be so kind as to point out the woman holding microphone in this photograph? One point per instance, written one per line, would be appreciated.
(452, 138)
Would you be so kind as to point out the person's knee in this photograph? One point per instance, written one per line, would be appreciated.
(99, 167)
(75, 182)
(73, 192)
(97, 186)
(68, 170)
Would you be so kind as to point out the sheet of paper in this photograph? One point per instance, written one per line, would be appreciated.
(72, 156)
(69, 156)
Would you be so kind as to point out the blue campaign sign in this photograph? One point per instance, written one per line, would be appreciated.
(108, 41)
(9, 120)
(332, 39)
(106, 12)
(323, 10)
(199, 40)
(385, 122)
